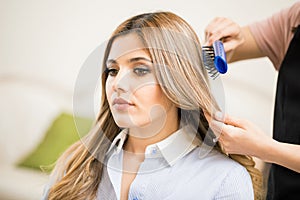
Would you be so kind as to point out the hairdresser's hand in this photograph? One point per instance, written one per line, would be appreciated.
(226, 30)
(239, 136)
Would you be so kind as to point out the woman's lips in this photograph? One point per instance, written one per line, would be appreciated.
(121, 104)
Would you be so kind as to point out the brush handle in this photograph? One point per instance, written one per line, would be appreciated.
(220, 57)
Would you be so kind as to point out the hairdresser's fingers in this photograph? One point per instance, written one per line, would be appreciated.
(224, 139)
(240, 136)
(222, 29)
(214, 24)
(233, 121)
(227, 34)
(211, 29)
(231, 140)
(216, 127)
(234, 40)
(230, 28)
(217, 35)
(219, 29)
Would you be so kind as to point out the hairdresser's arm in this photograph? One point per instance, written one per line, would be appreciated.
(243, 137)
(239, 42)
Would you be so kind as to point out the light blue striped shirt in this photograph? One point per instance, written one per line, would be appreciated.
(173, 170)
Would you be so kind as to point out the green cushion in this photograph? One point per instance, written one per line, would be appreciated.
(61, 134)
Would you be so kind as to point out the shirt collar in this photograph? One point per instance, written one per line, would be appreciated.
(120, 139)
(172, 148)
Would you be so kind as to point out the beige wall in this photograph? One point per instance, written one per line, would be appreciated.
(43, 44)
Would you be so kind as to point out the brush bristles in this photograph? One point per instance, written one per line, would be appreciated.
(208, 59)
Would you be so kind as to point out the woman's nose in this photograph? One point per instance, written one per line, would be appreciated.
(122, 81)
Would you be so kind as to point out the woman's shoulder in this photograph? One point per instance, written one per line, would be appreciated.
(219, 174)
(214, 158)
(215, 163)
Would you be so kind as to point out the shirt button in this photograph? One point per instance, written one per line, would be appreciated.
(154, 151)
(135, 198)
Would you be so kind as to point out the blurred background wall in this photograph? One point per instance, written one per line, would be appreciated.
(44, 44)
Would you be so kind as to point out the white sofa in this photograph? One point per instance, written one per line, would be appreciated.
(27, 108)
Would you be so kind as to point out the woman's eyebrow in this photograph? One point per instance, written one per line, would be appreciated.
(136, 59)
(131, 60)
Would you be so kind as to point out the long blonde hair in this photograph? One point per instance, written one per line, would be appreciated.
(176, 53)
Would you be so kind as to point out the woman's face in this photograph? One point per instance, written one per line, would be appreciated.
(133, 93)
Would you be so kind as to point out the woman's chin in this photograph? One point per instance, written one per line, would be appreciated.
(127, 123)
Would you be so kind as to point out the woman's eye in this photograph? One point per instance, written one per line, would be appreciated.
(141, 71)
(111, 71)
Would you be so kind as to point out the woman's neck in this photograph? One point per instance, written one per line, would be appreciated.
(139, 138)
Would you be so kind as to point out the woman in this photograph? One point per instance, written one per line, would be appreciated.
(146, 140)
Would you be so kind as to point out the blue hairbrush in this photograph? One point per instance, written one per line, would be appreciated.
(214, 59)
